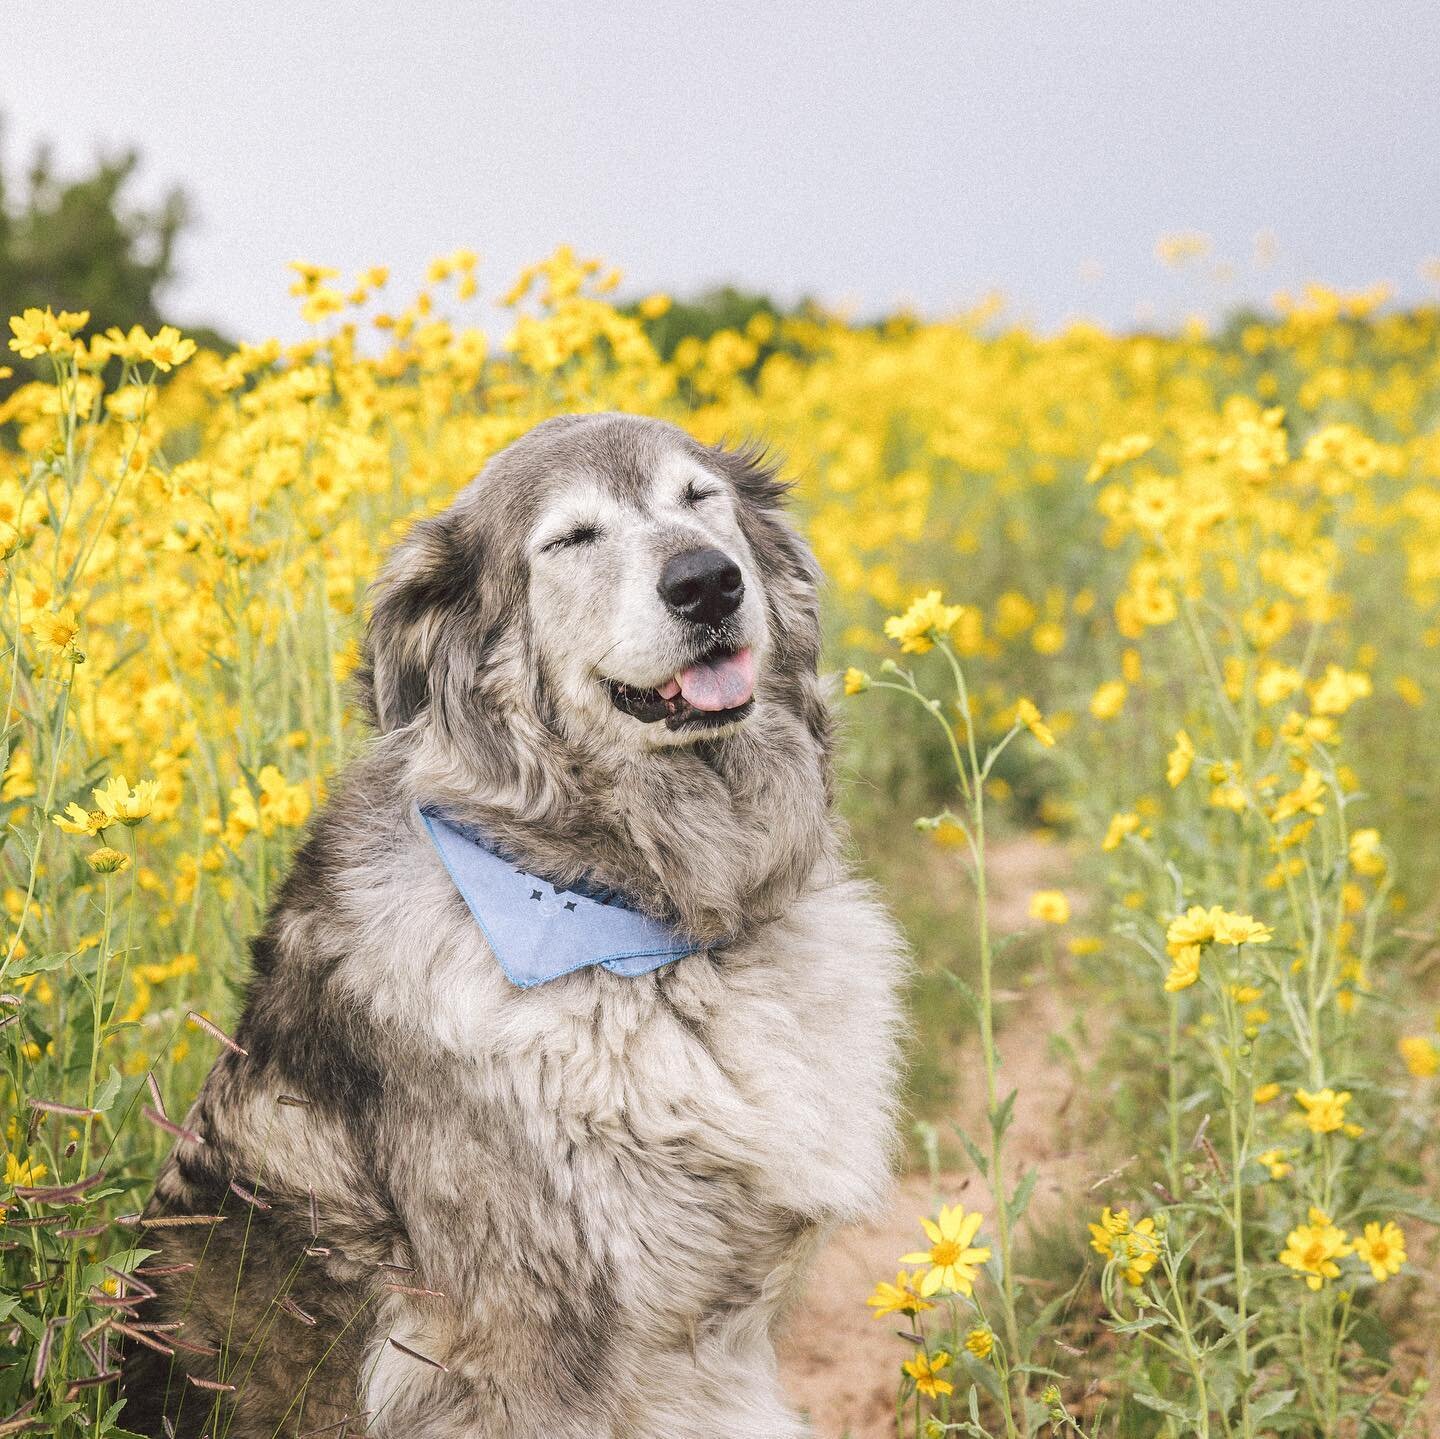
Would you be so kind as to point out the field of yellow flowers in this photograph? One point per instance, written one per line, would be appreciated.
(1173, 600)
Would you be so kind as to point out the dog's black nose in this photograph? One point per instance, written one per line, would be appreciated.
(703, 586)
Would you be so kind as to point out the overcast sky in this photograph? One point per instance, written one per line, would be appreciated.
(867, 151)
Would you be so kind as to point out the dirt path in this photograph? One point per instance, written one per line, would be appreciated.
(836, 1361)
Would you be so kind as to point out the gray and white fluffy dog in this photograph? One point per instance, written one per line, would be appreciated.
(456, 1207)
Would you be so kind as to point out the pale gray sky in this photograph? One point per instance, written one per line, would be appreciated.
(868, 151)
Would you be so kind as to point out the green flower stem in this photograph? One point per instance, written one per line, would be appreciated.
(1238, 1148)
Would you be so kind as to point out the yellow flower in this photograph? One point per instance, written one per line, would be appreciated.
(927, 620)
(980, 1341)
(1264, 1093)
(1276, 683)
(1195, 926)
(1199, 925)
(1178, 762)
(1409, 691)
(1308, 797)
(1050, 906)
(39, 332)
(55, 631)
(1117, 452)
(954, 1263)
(1383, 1249)
(1324, 1110)
(1239, 929)
(1133, 1248)
(79, 821)
(1312, 1249)
(1274, 1160)
(1184, 968)
(901, 1297)
(1421, 1056)
(1154, 503)
(1366, 856)
(1109, 699)
(127, 347)
(1120, 826)
(118, 801)
(311, 277)
(1014, 614)
(168, 349)
(27, 1171)
(925, 1369)
(1338, 690)
(1028, 715)
(107, 861)
(1048, 639)
(281, 802)
(856, 681)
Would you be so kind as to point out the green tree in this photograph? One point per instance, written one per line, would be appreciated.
(81, 243)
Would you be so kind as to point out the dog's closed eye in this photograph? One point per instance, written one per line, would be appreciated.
(696, 494)
(585, 534)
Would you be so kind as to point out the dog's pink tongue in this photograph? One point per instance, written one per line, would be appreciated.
(723, 684)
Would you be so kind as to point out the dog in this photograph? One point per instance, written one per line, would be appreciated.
(437, 1191)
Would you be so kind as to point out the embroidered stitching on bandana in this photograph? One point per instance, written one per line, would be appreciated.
(539, 933)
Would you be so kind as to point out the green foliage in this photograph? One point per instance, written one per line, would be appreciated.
(80, 244)
(723, 308)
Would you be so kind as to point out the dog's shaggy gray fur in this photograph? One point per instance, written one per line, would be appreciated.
(576, 1210)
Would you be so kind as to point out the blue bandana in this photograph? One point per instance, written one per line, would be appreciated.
(538, 932)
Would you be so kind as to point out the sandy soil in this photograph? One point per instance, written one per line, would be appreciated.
(837, 1362)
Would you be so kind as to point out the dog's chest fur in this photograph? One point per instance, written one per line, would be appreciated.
(690, 1129)
(650, 1161)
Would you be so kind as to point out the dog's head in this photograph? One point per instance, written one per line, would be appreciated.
(606, 580)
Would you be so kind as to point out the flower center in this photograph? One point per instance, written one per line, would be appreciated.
(944, 1254)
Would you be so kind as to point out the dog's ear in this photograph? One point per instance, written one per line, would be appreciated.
(425, 633)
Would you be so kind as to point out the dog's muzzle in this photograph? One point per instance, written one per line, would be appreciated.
(716, 689)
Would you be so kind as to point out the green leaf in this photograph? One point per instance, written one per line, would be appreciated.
(1003, 1116)
(967, 992)
(126, 1259)
(1036, 1369)
(976, 1158)
(1020, 1199)
(32, 1324)
(105, 1095)
(1164, 1406)
(1271, 1403)
(44, 963)
(1398, 1201)
(1229, 1318)
(1005, 941)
